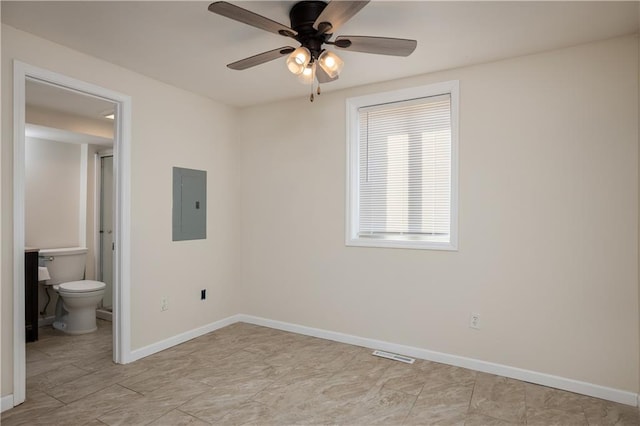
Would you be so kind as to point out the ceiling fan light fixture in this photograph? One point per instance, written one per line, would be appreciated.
(298, 60)
(331, 63)
(308, 74)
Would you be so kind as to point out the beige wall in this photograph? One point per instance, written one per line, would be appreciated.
(548, 221)
(171, 127)
(52, 193)
(4, 317)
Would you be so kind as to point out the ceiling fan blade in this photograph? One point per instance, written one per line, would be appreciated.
(336, 13)
(260, 58)
(247, 17)
(377, 45)
(323, 77)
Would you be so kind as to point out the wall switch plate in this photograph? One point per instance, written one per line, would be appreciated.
(474, 321)
(203, 294)
(164, 304)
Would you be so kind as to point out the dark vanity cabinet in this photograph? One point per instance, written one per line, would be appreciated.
(31, 294)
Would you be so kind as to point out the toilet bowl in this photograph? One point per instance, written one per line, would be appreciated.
(78, 298)
(76, 306)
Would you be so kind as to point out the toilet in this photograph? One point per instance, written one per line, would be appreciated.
(78, 298)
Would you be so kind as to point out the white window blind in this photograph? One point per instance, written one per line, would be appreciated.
(405, 170)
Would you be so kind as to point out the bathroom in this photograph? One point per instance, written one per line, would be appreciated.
(69, 202)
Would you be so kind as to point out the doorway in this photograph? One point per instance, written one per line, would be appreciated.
(121, 212)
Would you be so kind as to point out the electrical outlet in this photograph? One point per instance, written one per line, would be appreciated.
(164, 304)
(203, 294)
(474, 321)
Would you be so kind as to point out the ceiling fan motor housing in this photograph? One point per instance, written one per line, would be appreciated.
(303, 15)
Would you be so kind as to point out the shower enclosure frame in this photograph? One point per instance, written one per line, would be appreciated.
(98, 246)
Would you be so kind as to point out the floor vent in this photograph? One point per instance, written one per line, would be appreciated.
(394, 357)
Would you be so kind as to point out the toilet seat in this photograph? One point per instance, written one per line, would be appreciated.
(83, 286)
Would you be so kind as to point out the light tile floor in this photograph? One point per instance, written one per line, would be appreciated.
(245, 374)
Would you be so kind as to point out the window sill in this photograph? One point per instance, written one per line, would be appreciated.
(402, 244)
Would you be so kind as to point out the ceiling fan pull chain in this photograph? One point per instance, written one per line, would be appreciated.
(313, 80)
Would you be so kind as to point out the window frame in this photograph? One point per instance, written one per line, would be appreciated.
(353, 169)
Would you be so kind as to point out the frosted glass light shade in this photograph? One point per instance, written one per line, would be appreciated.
(308, 75)
(298, 60)
(330, 63)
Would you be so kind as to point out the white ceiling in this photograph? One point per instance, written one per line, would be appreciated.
(55, 98)
(183, 44)
(61, 135)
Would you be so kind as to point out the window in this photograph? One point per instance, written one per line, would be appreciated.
(402, 168)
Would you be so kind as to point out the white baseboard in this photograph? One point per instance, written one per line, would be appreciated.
(610, 394)
(103, 314)
(44, 321)
(180, 338)
(48, 320)
(6, 403)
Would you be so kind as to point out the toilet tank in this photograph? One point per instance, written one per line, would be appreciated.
(64, 264)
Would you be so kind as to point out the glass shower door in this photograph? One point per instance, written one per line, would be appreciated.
(106, 229)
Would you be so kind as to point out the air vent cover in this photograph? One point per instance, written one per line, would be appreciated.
(394, 357)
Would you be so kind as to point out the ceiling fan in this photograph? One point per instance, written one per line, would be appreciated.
(313, 24)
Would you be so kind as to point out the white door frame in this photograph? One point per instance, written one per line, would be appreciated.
(122, 254)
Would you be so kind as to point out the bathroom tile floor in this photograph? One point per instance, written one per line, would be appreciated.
(245, 374)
